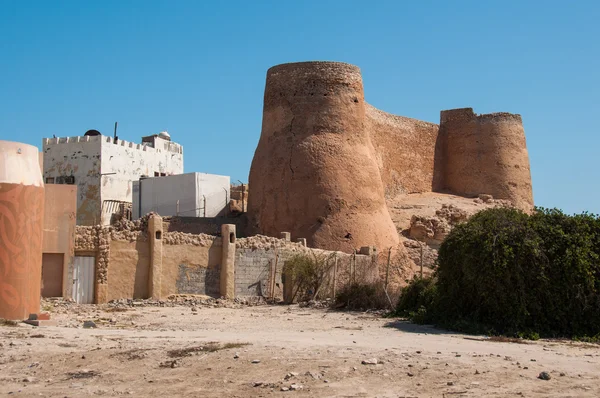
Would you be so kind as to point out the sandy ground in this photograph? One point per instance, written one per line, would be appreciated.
(137, 352)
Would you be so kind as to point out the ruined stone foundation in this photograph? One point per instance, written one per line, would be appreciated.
(315, 172)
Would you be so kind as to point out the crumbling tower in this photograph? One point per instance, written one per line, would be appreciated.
(314, 172)
(486, 154)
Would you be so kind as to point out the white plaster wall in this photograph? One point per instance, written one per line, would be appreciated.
(79, 157)
(160, 194)
(92, 160)
(216, 190)
(131, 161)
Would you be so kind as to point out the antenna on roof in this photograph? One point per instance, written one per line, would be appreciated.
(115, 135)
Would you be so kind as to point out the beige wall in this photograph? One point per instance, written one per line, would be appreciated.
(128, 270)
(191, 256)
(59, 229)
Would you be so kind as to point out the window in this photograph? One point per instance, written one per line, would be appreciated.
(49, 180)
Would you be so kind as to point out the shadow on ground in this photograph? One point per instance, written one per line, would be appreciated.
(409, 327)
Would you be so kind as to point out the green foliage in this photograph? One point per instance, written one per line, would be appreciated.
(416, 298)
(362, 296)
(506, 272)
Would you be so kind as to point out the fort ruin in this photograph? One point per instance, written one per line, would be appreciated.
(326, 160)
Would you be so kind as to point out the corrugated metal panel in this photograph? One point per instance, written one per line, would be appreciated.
(83, 279)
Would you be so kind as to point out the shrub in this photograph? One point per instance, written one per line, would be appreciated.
(507, 272)
(309, 273)
(417, 298)
(363, 296)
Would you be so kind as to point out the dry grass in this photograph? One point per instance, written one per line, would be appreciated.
(6, 322)
(208, 347)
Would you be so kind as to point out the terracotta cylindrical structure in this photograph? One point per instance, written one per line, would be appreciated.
(314, 172)
(486, 154)
(21, 226)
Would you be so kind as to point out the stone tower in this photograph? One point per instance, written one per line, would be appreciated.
(486, 154)
(315, 172)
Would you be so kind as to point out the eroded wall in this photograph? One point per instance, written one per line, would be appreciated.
(78, 157)
(191, 269)
(315, 172)
(486, 154)
(407, 152)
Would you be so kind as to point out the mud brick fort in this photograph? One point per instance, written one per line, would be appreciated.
(326, 160)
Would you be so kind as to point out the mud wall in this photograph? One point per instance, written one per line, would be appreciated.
(315, 171)
(406, 151)
(486, 154)
(189, 268)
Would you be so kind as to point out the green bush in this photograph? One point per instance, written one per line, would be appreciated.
(506, 272)
(415, 298)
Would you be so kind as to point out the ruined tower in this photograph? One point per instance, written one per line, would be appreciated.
(486, 154)
(315, 172)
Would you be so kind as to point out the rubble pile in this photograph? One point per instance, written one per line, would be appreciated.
(182, 238)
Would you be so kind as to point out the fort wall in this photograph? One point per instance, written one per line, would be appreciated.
(406, 152)
(326, 160)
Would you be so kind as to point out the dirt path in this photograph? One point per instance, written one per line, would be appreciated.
(142, 352)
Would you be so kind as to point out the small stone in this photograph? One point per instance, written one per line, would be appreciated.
(450, 383)
(194, 309)
(295, 387)
(258, 383)
(418, 352)
(410, 374)
(544, 376)
(29, 379)
(476, 372)
(372, 361)
(562, 373)
(89, 325)
(256, 361)
(285, 389)
(236, 355)
(83, 357)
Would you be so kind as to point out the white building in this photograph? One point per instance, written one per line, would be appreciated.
(103, 168)
(186, 195)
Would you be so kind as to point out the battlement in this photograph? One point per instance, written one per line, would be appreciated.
(466, 114)
(164, 146)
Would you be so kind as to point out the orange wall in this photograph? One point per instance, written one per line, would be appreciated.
(59, 226)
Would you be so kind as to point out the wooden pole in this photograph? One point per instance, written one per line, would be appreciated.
(335, 276)
(273, 276)
(177, 207)
(421, 260)
(387, 270)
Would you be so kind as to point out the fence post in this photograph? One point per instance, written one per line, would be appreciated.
(387, 270)
(335, 276)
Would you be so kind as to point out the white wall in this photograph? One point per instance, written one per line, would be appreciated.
(93, 159)
(160, 194)
(79, 157)
(216, 190)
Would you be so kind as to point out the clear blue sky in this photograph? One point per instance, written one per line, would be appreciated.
(197, 69)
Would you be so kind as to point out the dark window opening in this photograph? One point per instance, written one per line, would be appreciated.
(158, 234)
(156, 174)
(231, 237)
(49, 180)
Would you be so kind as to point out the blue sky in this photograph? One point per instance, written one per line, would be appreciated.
(197, 69)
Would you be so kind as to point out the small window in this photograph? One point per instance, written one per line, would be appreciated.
(158, 234)
(49, 180)
(156, 174)
(231, 237)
